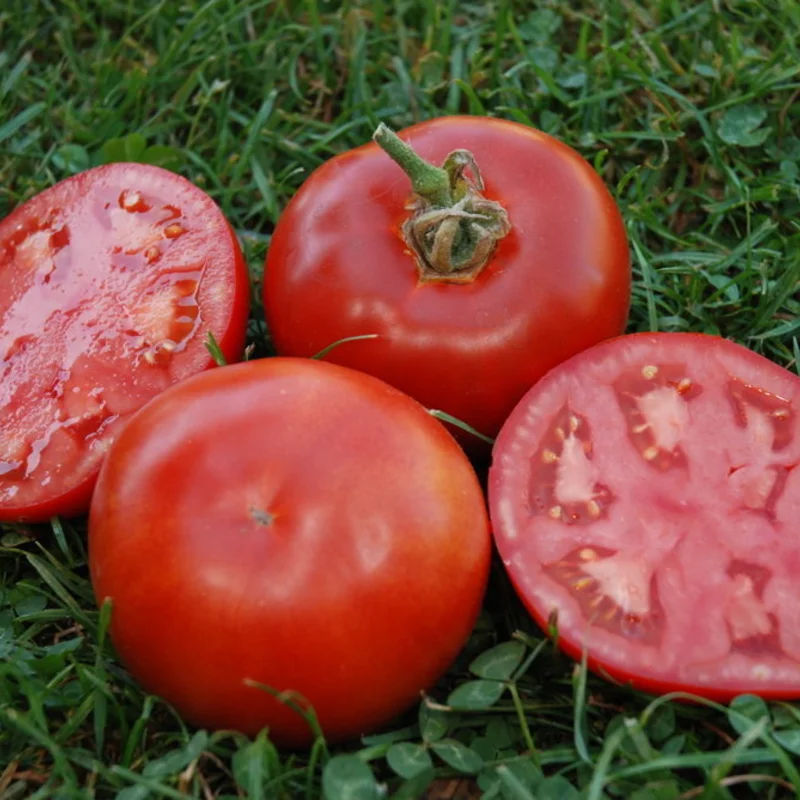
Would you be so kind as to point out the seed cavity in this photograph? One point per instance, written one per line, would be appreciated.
(564, 481)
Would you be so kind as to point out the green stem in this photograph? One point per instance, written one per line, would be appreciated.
(432, 183)
(453, 228)
(527, 736)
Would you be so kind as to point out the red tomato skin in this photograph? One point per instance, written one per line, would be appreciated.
(223, 250)
(508, 446)
(358, 593)
(337, 266)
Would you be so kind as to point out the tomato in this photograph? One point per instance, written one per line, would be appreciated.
(295, 523)
(647, 492)
(109, 284)
(348, 258)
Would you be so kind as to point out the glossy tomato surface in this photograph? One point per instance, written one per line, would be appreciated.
(297, 524)
(648, 492)
(557, 283)
(109, 284)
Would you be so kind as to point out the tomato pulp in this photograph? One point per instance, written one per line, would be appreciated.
(109, 283)
(468, 342)
(648, 492)
(295, 523)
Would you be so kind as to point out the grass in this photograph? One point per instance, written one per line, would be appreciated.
(690, 113)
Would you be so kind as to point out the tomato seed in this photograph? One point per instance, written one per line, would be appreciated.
(174, 231)
(129, 200)
(761, 672)
(649, 371)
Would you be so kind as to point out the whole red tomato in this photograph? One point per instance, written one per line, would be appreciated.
(110, 282)
(495, 269)
(647, 491)
(295, 523)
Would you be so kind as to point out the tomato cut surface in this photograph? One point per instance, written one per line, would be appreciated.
(648, 491)
(293, 523)
(109, 283)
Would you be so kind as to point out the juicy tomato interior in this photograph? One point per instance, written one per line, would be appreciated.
(108, 283)
(648, 492)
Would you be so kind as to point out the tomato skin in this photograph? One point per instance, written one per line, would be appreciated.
(295, 523)
(337, 266)
(686, 521)
(88, 256)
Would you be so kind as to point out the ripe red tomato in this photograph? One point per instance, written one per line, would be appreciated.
(295, 523)
(109, 283)
(647, 491)
(469, 341)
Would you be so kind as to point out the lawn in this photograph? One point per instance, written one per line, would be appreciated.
(691, 114)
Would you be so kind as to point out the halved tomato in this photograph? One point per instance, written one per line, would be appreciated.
(647, 491)
(109, 283)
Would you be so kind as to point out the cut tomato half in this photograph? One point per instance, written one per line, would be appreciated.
(647, 491)
(109, 283)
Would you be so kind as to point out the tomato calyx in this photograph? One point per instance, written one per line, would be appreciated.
(453, 229)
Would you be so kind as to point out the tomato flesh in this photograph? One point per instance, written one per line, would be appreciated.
(109, 282)
(647, 491)
(297, 524)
